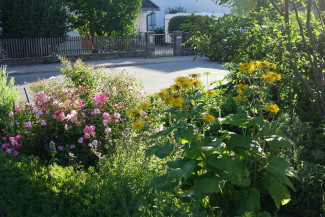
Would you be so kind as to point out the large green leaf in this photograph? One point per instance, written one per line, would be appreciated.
(193, 150)
(241, 141)
(232, 170)
(204, 185)
(242, 120)
(263, 214)
(282, 166)
(278, 192)
(162, 133)
(184, 134)
(269, 130)
(276, 141)
(160, 151)
(184, 171)
(247, 200)
(215, 146)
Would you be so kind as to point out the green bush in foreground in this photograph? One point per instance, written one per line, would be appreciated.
(118, 188)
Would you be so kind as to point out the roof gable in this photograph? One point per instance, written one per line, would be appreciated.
(148, 5)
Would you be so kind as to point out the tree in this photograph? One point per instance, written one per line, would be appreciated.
(103, 17)
(33, 18)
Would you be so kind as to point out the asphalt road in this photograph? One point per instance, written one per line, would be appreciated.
(152, 77)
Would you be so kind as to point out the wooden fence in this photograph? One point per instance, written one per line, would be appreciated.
(40, 47)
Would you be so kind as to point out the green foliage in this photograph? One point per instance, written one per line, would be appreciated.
(175, 23)
(102, 17)
(8, 96)
(175, 10)
(33, 18)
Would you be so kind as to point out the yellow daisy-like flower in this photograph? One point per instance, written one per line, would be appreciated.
(177, 101)
(176, 95)
(134, 113)
(241, 88)
(181, 79)
(273, 108)
(209, 118)
(237, 98)
(194, 75)
(211, 92)
(271, 76)
(176, 87)
(138, 125)
(163, 92)
(186, 85)
(196, 83)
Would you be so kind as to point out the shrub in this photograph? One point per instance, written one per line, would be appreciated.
(175, 23)
(233, 165)
(77, 122)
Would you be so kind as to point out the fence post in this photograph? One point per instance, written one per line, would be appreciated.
(150, 45)
(178, 49)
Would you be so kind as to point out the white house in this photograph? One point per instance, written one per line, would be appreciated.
(204, 7)
(146, 15)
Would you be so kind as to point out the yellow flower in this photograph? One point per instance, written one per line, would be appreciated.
(271, 76)
(138, 125)
(196, 83)
(163, 92)
(210, 92)
(177, 101)
(187, 85)
(176, 87)
(241, 88)
(252, 129)
(176, 95)
(237, 98)
(134, 113)
(209, 118)
(181, 79)
(194, 75)
(273, 108)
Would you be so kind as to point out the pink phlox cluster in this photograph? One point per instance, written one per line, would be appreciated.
(100, 99)
(89, 131)
(106, 118)
(11, 146)
(18, 107)
(116, 116)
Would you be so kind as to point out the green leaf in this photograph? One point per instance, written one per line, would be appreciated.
(247, 200)
(241, 141)
(184, 134)
(278, 192)
(184, 171)
(193, 150)
(204, 185)
(215, 146)
(282, 166)
(269, 130)
(276, 141)
(232, 170)
(162, 133)
(160, 151)
(242, 120)
(161, 183)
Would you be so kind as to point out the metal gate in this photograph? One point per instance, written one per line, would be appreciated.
(164, 44)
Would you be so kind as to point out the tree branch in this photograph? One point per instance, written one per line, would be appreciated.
(277, 8)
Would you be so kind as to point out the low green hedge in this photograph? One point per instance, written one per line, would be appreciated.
(118, 188)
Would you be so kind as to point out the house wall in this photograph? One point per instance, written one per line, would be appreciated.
(191, 6)
(141, 22)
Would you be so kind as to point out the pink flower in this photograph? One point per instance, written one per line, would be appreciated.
(116, 115)
(18, 107)
(94, 143)
(60, 148)
(28, 124)
(66, 127)
(87, 136)
(107, 121)
(80, 140)
(18, 137)
(19, 145)
(5, 146)
(144, 113)
(25, 82)
(115, 105)
(4, 138)
(43, 122)
(108, 130)
(106, 115)
(83, 115)
(11, 139)
(11, 114)
(54, 116)
(73, 119)
(96, 111)
(15, 153)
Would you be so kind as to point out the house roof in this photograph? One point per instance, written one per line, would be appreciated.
(148, 5)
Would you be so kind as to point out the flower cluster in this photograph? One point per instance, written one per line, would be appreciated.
(10, 145)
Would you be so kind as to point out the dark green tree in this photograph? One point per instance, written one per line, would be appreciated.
(103, 17)
(33, 18)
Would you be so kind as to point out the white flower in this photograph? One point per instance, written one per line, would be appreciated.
(11, 114)
(108, 130)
